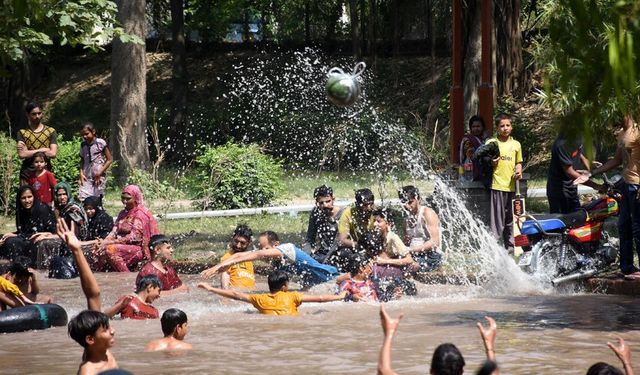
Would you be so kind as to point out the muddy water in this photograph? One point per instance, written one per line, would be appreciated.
(537, 333)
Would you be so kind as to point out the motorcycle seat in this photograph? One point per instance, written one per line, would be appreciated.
(554, 222)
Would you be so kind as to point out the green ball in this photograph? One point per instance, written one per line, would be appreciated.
(342, 89)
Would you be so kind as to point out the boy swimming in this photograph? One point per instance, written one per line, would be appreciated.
(279, 300)
(174, 327)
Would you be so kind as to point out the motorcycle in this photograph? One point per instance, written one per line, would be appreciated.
(565, 247)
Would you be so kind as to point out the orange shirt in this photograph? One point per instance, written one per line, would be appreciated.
(240, 274)
(629, 140)
(280, 303)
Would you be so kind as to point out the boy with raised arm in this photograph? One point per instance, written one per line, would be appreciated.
(302, 264)
(279, 300)
(174, 327)
(90, 328)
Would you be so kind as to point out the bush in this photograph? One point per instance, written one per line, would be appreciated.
(236, 176)
(9, 173)
(154, 189)
(66, 165)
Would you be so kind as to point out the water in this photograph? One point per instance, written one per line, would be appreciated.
(537, 333)
(540, 331)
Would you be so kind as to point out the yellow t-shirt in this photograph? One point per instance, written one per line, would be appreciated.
(240, 274)
(629, 141)
(510, 155)
(9, 287)
(280, 303)
(352, 226)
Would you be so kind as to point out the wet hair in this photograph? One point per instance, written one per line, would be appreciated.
(39, 154)
(172, 318)
(602, 368)
(115, 371)
(157, 240)
(384, 213)
(31, 105)
(371, 244)
(355, 261)
(488, 367)
(363, 196)
(20, 266)
(86, 324)
(447, 360)
(243, 230)
(149, 280)
(271, 236)
(502, 116)
(475, 118)
(408, 192)
(322, 191)
(276, 280)
(89, 126)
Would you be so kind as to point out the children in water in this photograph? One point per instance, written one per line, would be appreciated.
(279, 300)
(359, 285)
(161, 252)
(174, 327)
(139, 305)
(25, 278)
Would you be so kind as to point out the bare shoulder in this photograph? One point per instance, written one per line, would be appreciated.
(156, 345)
(91, 368)
(179, 345)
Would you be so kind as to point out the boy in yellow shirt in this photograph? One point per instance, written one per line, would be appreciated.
(507, 168)
(239, 275)
(280, 301)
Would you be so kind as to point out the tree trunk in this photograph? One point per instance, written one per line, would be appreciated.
(373, 17)
(363, 27)
(472, 65)
(307, 23)
(128, 93)
(396, 27)
(509, 67)
(332, 23)
(355, 30)
(179, 81)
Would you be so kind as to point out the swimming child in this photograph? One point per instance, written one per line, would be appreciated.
(95, 160)
(11, 295)
(161, 252)
(279, 300)
(139, 305)
(359, 285)
(24, 277)
(310, 271)
(90, 328)
(42, 180)
(174, 327)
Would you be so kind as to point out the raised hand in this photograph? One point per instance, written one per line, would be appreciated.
(68, 235)
(489, 336)
(622, 351)
(211, 272)
(389, 326)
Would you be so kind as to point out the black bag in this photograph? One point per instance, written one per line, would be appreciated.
(63, 267)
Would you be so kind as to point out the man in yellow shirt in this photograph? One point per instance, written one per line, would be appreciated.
(507, 168)
(279, 300)
(239, 275)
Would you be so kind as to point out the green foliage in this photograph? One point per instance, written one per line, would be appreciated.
(9, 172)
(236, 176)
(31, 25)
(152, 188)
(66, 165)
(590, 62)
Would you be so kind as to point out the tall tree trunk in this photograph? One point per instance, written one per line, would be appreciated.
(179, 81)
(509, 67)
(363, 27)
(307, 23)
(128, 92)
(373, 17)
(355, 29)
(332, 23)
(472, 65)
(430, 38)
(396, 27)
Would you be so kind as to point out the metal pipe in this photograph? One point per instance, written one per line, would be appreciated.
(573, 276)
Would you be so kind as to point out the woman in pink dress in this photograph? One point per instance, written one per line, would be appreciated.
(128, 243)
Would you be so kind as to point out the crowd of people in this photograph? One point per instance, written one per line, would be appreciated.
(371, 253)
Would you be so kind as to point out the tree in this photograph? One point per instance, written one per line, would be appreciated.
(31, 27)
(179, 79)
(590, 61)
(509, 68)
(128, 92)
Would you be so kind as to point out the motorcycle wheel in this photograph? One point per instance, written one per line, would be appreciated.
(547, 266)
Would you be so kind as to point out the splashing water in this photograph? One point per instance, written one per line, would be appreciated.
(278, 100)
